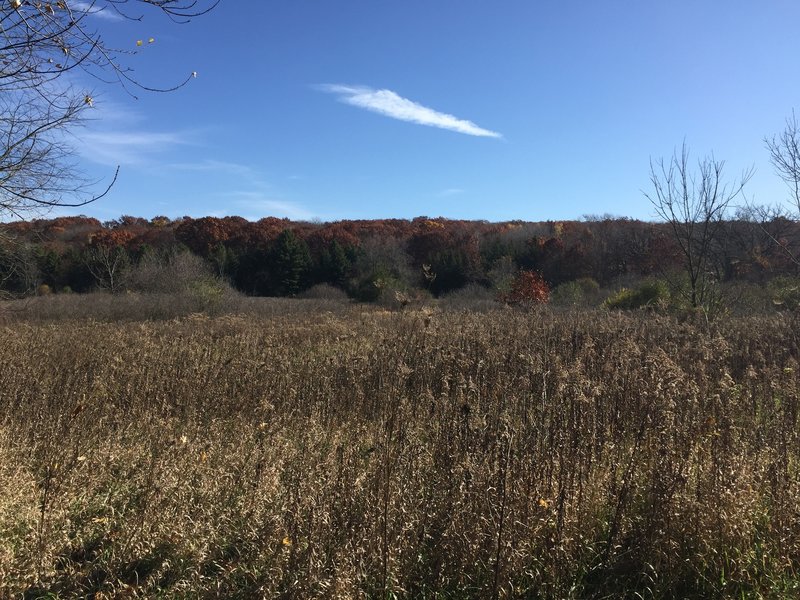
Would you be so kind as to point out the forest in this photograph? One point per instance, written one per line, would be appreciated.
(385, 260)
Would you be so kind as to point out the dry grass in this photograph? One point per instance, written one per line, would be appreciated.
(386, 455)
(148, 306)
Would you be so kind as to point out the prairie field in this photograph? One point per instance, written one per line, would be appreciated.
(416, 454)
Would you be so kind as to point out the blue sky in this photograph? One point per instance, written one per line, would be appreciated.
(458, 108)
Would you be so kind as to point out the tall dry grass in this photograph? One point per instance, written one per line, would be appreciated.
(505, 454)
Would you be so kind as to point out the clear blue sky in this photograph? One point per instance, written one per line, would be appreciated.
(459, 108)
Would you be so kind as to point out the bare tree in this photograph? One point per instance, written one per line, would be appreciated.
(784, 153)
(108, 265)
(18, 271)
(41, 42)
(170, 272)
(777, 221)
(694, 203)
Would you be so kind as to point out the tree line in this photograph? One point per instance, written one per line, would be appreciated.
(372, 258)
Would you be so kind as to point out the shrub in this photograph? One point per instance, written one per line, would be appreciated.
(381, 287)
(324, 291)
(580, 292)
(472, 297)
(208, 294)
(567, 294)
(650, 294)
(785, 292)
(527, 288)
(746, 298)
(169, 273)
(588, 286)
(394, 295)
(502, 274)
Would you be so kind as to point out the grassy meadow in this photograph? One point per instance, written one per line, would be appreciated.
(361, 453)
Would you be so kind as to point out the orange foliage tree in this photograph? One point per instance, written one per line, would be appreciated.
(528, 288)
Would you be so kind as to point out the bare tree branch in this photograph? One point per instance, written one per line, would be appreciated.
(784, 153)
(694, 203)
(41, 42)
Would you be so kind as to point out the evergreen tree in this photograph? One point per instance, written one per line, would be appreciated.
(452, 271)
(335, 265)
(291, 264)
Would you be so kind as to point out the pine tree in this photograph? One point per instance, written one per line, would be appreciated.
(335, 265)
(291, 263)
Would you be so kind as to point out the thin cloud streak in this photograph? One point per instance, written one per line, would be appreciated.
(391, 104)
(126, 147)
(102, 12)
(212, 165)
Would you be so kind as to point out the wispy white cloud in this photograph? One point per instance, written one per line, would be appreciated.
(210, 165)
(109, 112)
(127, 147)
(391, 104)
(92, 8)
(119, 135)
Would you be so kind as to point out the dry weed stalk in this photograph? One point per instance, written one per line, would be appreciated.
(401, 455)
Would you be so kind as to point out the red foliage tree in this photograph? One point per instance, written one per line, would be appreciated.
(528, 288)
(202, 235)
(111, 238)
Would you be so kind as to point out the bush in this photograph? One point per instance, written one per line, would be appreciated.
(785, 292)
(580, 292)
(502, 274)
(174, 272)
(209, 294)
(471, 297)
(528, 288)
(394, 295)
(746, 298)
(382, 288)
(588, 286)
(185, 279)
(324, 291)
(650, 294)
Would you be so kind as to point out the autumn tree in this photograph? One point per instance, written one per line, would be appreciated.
(201, 236)
(694, 203)
(45, 48)
(107, 258)
(528, 288)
